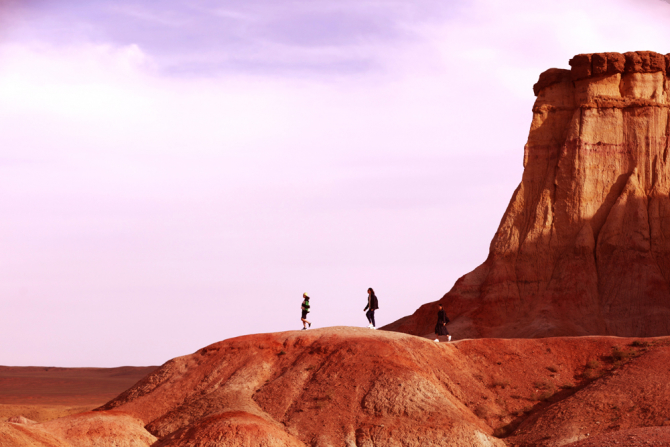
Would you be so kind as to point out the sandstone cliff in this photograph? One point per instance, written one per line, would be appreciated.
(584, 246)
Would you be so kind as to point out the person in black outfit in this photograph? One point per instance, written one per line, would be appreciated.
(373, 305)
(305, 310)
(441, 326)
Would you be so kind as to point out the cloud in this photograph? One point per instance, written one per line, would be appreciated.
(296, 38)
(204, 37)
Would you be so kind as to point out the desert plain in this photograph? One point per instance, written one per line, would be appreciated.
(45, 393)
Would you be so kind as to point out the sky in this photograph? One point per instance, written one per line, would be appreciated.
(177, 173)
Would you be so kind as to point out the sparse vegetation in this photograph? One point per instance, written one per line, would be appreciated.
(590, 374)
(620, 355)
(309, 368)
(322, 401)
(544, 385)
(542, 395)
(591, 370)
(593, 364)
(502, 403)
(282, 352)
(553, 369)
(568, 385)
(545, 389)
(502, 432)
(500, 383)
(640, 344)
(483, 411)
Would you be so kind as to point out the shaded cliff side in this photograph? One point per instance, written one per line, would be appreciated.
(584, 245)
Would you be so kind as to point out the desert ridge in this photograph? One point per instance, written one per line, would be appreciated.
(358, 387)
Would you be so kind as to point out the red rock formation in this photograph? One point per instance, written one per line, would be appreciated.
(21, 420)
(99, 429)
(335, 386)
(584, 246)
(637, 437)
(616, 405)
(359, 388)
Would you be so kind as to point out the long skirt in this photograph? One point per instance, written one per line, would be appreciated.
(441, 329)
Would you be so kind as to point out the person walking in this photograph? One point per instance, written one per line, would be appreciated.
(373, 305)
(305, 311)
(441, 326)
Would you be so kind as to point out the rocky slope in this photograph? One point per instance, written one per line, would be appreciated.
(584, 246)
(337, 386)
(99, 429)
(361, 388)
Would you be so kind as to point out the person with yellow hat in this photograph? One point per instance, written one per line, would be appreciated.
(305, 311)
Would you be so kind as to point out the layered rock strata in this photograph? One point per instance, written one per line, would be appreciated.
(335, 386)
(354, 387)
(99, 429)
(584, 245)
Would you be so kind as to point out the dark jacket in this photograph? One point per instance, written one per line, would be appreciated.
(442, 320)
(373, 304)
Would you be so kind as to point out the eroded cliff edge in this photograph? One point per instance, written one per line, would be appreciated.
(584, 245)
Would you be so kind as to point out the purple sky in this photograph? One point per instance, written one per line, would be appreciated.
(173, 177)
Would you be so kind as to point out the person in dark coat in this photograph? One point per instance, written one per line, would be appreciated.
(441, 326)
(373, 305)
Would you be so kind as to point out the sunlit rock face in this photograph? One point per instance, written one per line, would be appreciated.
(584, 246)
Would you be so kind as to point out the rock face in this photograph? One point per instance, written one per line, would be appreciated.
(584, 246)
(355, 387)
(326, 387)
(360, 388)
(99, 429)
